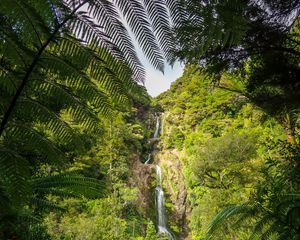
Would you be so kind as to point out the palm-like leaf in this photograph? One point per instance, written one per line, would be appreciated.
(68, 58)
(64, 185)
(282, 220)
(44, 191)
(210, 25)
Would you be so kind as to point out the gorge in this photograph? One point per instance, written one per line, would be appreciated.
(159, 192)
(86, 153)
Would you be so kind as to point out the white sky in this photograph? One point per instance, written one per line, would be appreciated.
(157, 82)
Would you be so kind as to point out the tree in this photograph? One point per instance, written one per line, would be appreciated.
(258, 40)
(65, 62)
(273, 212)
(230, 158)
(151, 232)
(224, 161)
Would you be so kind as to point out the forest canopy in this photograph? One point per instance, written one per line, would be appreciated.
(76, 120)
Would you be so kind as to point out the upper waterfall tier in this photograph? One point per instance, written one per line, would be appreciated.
(156, 133)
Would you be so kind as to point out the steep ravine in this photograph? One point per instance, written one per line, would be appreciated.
(171, 194)
(161, 214)
(176, 194)
(160, 180)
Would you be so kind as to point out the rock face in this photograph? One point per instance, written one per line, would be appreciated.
(143, 178)
(175, 187)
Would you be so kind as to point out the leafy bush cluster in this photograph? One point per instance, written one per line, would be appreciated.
(233, 153)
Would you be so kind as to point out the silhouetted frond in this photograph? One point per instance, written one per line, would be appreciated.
(224, 215)
(135, 15)
(274, 223)
(63, 185)
(160, 22)
(66, 62)
(210, 25)
(14, 173)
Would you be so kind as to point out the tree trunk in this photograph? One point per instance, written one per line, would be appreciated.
(289, 125)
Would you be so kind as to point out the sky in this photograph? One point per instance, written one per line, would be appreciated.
(156, 82)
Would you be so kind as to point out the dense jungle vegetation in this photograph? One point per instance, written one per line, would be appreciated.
(236, 160)
(77, 124)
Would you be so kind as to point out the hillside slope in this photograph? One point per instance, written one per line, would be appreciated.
(219, 140)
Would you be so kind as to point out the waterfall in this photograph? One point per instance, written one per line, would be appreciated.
(160, 204)
(148, 159)
(159, 192)
(156, 127)
(155, 135)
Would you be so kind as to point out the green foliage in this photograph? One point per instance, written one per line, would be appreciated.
(274, 209)
(45, 191)
(109, 155)
(48, 72)
(221, 161)
(210, 25)
(61, 73)
(228, 148)
(151, 232)
(257, 40)
(69, 75)
(100, 220)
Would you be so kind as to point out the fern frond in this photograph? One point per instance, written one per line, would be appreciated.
(134, 13)
(68, 184)
(51, 120)
(57, 59)
(161, 25)
(14, 173)
(225, 214)
(270, 223)
(86, 29)
(43, 204)
(260, 225)
(7, 84)
(34, 27)
(56, 192)
(107, 16)
(209, 26)
(32, 140)
(176, 11)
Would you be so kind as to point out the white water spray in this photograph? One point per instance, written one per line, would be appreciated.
(148, 159)
(156, 127)
(160, 204)
(160, 196)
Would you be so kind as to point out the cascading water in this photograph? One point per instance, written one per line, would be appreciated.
(160, 199)
(148, 159)
(160, 204)
(155, 135)
(156, 127)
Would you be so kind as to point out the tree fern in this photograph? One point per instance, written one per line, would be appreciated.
(269, 223)
(45, 193)
(66, 185)
(64, 62)
(57, 59)
(14, 174)
(209, 25)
